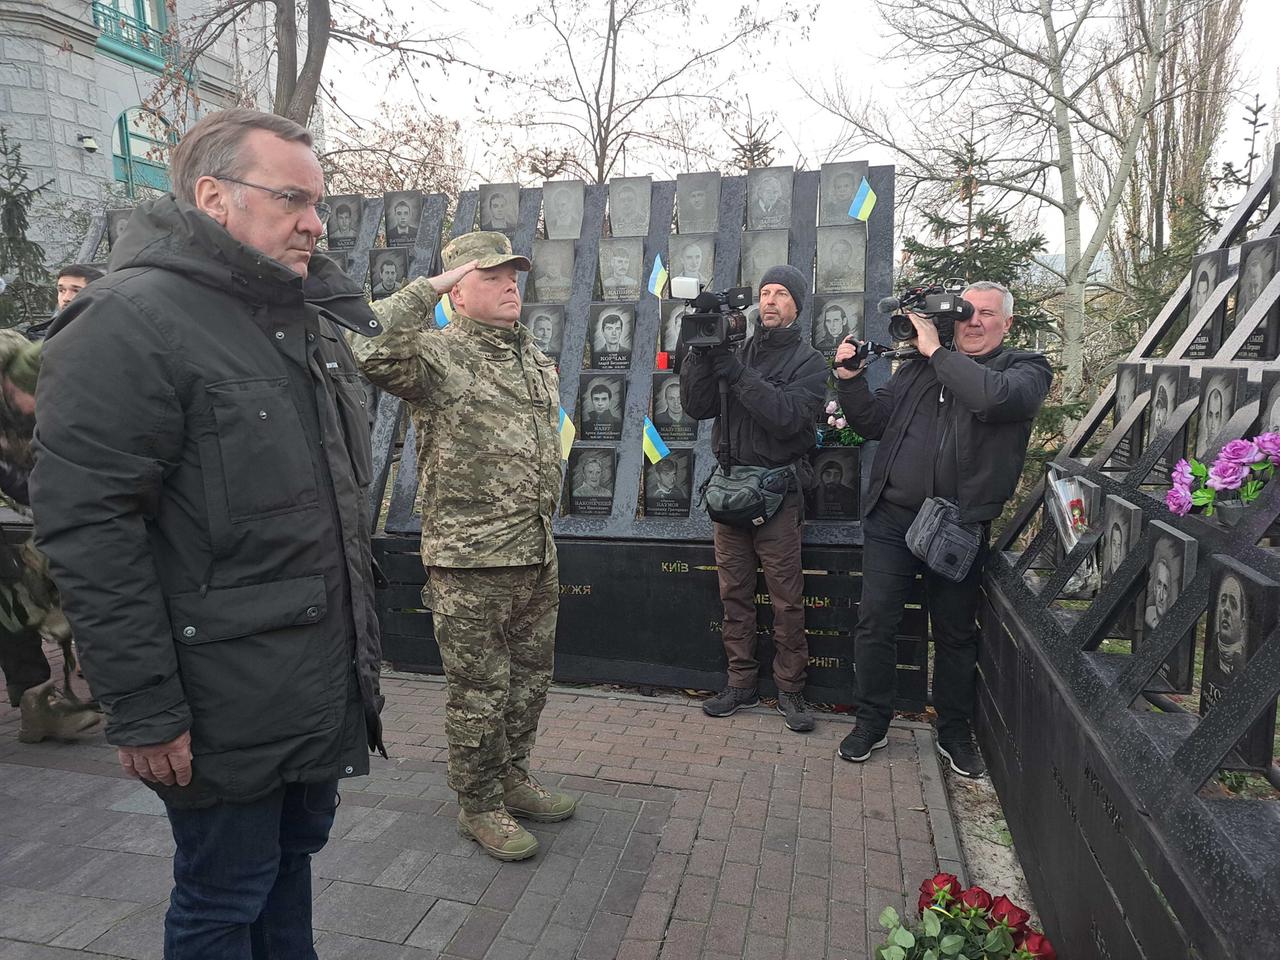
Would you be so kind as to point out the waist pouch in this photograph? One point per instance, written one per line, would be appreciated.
(746, 496)
(947, 546)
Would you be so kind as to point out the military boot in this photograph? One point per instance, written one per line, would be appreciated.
(524, 796)
(500, 836)
(46, 714)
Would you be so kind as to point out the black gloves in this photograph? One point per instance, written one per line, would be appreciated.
(725, 365)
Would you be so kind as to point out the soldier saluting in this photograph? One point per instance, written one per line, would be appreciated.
(485, 401)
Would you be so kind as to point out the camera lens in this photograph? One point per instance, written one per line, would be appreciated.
(900, 328)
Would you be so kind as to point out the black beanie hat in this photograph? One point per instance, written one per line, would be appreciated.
(791, 278)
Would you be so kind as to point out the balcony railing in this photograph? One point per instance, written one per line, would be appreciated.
(116, 25)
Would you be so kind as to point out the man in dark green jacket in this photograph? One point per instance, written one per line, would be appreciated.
(953, 423)
(202, 458)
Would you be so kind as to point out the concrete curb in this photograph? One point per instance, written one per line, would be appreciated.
(936, 800)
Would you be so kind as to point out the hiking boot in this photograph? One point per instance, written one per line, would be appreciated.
(525, 797)
(793, 707)
(45, 713)
(963, 756)
(729, 701)
(857, 746)
(498, 835)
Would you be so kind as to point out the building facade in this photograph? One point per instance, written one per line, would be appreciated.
(78, 90)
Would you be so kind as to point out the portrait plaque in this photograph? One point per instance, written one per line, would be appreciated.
(1206, 271)
(673, 424)
(1242, 611)
(761, 250)
(837, 186)
(834, 318)
(769, 198)
(552, 270)
(388, 270)
(629, 206)
(1130, 381)
(601, 401)
(1171, 566)
(1121, 528)
(842, 259)
(1257, 267)
(620, 261)
(673, 312)
(343, 228)
(667, 485)
(1269, 412)
(612, 326)
(692, 256)
(562, 209)
(1222, 392)
(402, 215)
(499, 207)
(697, 203)
(590, 482)
(836, 496)
(545, 322)
(1169, 387)
(117, 219)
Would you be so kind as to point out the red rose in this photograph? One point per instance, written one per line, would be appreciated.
(1004, 910)
(975, 898)
(1037, 945)
(935, 885)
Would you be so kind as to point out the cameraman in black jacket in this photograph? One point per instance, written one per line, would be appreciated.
(775, 392)
(953, 424)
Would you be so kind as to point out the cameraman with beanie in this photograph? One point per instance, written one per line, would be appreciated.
(953, 423)
(775, 390)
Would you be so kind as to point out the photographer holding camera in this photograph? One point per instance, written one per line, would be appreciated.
(953, 424)
(775, 390)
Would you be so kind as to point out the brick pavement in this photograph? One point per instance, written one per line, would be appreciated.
(695, 837)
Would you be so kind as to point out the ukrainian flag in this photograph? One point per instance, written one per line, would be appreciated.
(864, 201)
(444, 311)
(655, 448)
(567, 432)
(658, 278)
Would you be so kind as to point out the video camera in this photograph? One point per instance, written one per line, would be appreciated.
(940, 302)
(715, 320)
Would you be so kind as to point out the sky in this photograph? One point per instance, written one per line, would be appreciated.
(846, 38)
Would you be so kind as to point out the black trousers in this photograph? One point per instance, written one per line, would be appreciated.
(889, 570)
(22, 659)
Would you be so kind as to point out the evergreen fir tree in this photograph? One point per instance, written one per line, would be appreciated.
(28, 293)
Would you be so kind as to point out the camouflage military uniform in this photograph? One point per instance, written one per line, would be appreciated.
(485, 404)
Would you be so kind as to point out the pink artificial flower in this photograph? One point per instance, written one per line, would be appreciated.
(1227, 474)
(1242, 452)
(1182, 474)
(831, 407)
(831, 421)
(841, 423)
(1269, 444)
(1178, 500)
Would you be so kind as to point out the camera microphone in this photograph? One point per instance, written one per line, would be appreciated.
(888, 304)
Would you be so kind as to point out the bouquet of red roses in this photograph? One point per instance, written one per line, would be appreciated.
(956, 924)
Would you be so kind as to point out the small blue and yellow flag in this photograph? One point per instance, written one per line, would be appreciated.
(864, 201)
(567, 432)
(658, 277)
(444, 310)
(655, 448)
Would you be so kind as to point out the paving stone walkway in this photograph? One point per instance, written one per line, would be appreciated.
(694, 838)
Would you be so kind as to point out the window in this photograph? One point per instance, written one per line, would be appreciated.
(140, 150)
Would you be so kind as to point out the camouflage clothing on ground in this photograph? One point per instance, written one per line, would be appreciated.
(485, 407)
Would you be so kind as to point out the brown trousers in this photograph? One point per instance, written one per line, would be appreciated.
(775, 547)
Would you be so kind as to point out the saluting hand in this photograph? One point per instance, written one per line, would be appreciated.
(445, 282)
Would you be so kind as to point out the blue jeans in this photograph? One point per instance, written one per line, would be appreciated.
(242, 876)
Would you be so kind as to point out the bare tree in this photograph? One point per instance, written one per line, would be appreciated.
(631, 70)
(402, 149)
(1026, 74)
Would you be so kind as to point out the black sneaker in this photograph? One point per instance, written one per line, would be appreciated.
(793, 707)
(858, 745)
(729, 701)
(964, 757)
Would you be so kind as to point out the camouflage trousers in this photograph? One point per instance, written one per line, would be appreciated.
(28, 603)
(496, 628)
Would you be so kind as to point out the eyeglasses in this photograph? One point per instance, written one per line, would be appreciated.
(293, 202)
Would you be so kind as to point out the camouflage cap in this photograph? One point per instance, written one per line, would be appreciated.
(488, 248)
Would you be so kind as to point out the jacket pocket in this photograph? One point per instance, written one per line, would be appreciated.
(266, 460)
(258, 663)
(353, 410)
